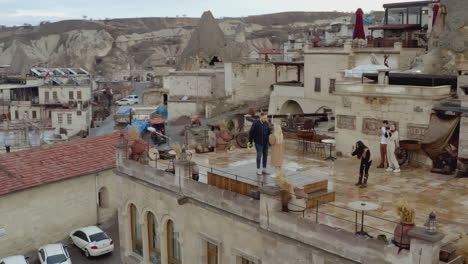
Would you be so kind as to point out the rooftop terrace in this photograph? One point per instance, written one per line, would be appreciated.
(445, 195)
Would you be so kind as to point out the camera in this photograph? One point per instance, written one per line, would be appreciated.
(387, 128)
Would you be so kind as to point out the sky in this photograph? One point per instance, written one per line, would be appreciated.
(18, 12)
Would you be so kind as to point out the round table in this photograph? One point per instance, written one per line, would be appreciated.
(362, 206)
(330, 143)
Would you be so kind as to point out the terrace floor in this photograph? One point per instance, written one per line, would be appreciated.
(445, 195)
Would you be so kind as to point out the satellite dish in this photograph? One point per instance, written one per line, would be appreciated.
(153, 154)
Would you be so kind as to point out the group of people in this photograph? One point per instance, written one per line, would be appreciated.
(389, 144)
(261, 133)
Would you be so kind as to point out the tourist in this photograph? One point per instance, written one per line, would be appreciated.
(392, 145)
(383, 144)
(363, 153)
(259, 133)
(277, 147)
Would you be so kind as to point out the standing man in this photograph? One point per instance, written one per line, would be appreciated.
(383, 144)
(260, 133)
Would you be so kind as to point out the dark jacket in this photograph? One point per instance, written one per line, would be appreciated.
(259, 133)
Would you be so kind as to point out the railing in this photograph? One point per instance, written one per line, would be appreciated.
(320, 212)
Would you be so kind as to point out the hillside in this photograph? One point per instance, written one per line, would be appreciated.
(118, 44)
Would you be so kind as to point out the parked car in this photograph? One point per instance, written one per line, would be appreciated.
(125, 101)
(15, 260)
(92, 240)
(133, 98)
(54, 254)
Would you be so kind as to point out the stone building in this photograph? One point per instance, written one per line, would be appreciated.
(47, 192)
(324, 67)
(361, 108)
(170, 218)
(56, 98)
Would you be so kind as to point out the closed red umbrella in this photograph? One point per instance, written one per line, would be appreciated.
(435, 10)
(359, 25)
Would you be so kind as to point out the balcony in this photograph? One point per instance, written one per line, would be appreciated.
(289, 89)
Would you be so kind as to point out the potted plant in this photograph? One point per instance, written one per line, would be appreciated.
(407, 214)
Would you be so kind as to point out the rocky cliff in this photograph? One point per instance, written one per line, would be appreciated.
(118, 44)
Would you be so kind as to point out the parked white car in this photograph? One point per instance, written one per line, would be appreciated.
(54, 254)
(125, 101)
(92, 240)
(15, 260)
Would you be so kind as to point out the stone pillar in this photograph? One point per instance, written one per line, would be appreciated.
(425, 248)
(398, 46)
(383, 76)
(121, 150)
(182, 170)
(270, 201)
(348, 46)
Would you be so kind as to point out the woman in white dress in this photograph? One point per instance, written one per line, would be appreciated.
(393, 143)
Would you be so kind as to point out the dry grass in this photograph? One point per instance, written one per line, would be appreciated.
(406, 212)
(283, 182)
(133, 133)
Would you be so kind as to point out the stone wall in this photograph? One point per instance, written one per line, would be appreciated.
(360, 109)
(177, 109)
(252, 81)
(237, 224)
(47, 214)
(190, 85)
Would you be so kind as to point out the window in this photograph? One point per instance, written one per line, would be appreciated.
(331, 89)
(137, 242)
(78, 113)
(81, 236)
(46, 96)
(103, 198)
(212, 253)
(70, 95)
(154, 240)
(16, 114)
(69, 119)
(78, 95)
(414, 15)
(397, 16)
(34, 114)
(318, 88)
(173, 246)
(41, 252)
(55, 96)
(60, 118)
(246, 261)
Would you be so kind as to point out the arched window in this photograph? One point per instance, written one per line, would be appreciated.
(154, 240)
(137, 242)
(173, 245)
(103, 197)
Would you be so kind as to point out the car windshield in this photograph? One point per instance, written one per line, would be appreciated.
(98, 237)
(124, 100)
(56, 259)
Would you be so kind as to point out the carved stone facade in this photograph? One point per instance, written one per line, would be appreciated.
(370, 126)
(416, 131)
(346, 122)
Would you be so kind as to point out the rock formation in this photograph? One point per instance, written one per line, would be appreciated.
(122, 44)
(448, 43)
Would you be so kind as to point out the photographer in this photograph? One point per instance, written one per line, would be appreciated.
(393, 143)
(363, 153)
